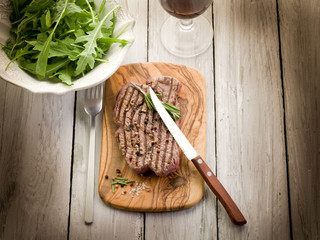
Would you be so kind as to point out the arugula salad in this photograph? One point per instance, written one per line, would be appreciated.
(60, 39)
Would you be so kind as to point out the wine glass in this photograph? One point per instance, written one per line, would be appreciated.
(186, 33)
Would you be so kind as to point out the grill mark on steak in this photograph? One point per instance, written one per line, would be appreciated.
(121, 94)
(149, 140)
(162, 157)
(154, 134)
(124, 104)
(167, 135)
(123, 113)
(135, 115)
(158, 126)
(172, 143)
(174, 153)
(127, 120)
(169, 138)
(163, 134)
(136, 121)
(143, 116)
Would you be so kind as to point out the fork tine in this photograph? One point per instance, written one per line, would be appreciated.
(101, 90)
(88, 93)
(93, 93)
(97, 92)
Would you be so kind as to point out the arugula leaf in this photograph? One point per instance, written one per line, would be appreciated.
(28, 17)
(87, 56)
(59, 10)
(17, 6)
(48, 19)
(28, 66)
(44, 22)
(108, 31)
(107, 42)
(42, 61)
(56, 49)
(20, 53)
(52, 68)
(91, 11)
(102, 7)
(65, 75)
(37, 5)
(73, 8)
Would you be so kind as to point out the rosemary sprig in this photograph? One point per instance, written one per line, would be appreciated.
(121, 181)
(120, 178)
(171, 109)
(112, 186)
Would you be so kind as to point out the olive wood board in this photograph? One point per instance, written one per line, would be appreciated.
(179, 190)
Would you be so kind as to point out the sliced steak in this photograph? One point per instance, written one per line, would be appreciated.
(144, 140)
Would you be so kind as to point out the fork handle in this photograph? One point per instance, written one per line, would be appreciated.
(88, 214)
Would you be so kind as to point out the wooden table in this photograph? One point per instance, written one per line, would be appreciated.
(263, 135)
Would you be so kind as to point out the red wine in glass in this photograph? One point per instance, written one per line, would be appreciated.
(186, 33)
(185, 9)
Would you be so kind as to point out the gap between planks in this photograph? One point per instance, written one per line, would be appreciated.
(284, 119)
(72, 158)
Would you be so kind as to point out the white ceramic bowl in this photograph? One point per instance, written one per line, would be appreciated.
(99, 74)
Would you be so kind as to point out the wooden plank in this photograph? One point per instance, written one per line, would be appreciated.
(108, 222)
(198, 222)
(2, 107)
(182, 188)
(35, 161)
(249, 116)
(300, 33)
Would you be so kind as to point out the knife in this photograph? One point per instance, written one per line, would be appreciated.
(206, 173)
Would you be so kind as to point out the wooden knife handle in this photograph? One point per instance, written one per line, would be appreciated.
(217, 188)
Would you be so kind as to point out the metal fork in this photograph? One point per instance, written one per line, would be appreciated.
(92, 106)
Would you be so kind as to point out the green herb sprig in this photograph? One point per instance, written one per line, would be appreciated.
(171, 109)
(120, 181)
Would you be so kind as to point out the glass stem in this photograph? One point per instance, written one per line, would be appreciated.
(186, 24)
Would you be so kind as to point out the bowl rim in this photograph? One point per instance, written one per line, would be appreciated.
(63, 89)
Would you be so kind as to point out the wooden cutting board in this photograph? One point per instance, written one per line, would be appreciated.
(179, 190)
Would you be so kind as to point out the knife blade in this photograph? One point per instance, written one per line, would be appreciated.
(206, 173)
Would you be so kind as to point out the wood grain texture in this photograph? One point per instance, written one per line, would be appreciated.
(2, 107)
(181, 189)
(250, 132)
(300, 34)
(108, 222)
(35, 157)
(181, 225)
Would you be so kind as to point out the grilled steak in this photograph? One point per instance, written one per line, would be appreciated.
(144, 140)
